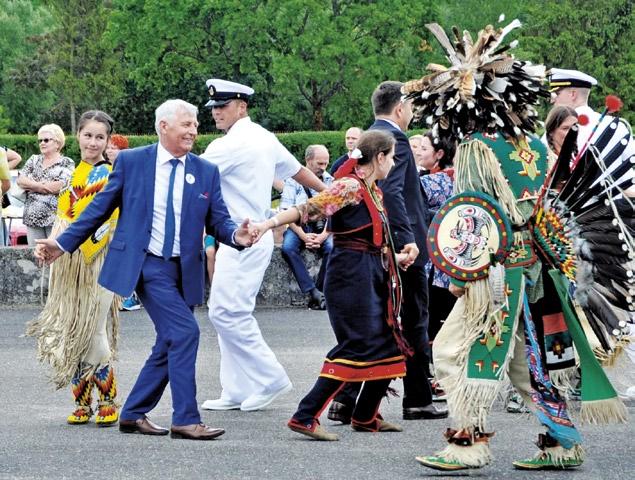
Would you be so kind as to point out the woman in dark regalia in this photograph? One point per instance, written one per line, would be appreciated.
(362, 289)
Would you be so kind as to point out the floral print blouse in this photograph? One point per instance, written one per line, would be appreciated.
(342, 193)
(40, 208)
(438, 187)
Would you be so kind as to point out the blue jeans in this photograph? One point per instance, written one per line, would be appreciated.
(292, 247)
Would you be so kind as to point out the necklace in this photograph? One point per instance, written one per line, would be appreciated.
(373, 195)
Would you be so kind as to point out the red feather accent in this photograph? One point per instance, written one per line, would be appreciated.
(583, 119)
(613, 103)
(346, 168)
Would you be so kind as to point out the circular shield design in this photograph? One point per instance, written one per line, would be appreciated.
(465, 232)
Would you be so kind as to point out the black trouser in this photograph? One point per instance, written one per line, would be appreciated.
(312, 405)
(414, 323)
(439, 309)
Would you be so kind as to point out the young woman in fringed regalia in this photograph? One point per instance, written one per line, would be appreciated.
(512, 321)
(362, 290)
(77, 330)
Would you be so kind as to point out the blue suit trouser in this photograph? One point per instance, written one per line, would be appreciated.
(173, 356)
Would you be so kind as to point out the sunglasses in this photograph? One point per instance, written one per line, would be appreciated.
(45, 140)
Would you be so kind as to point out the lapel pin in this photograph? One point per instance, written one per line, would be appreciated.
(189, 178)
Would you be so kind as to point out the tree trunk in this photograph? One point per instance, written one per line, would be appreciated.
(318, 119)
(73, 121)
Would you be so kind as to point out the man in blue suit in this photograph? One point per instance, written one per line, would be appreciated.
(407, 209)
(167, 197)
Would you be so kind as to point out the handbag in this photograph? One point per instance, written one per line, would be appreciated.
(17, 192)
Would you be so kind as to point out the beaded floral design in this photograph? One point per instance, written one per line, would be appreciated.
(342, 193)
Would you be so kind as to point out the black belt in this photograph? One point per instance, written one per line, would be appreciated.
(171, 259)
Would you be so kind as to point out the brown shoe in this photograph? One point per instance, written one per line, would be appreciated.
(196, 431)
(143, 426)
(380, 425)
(318, 433)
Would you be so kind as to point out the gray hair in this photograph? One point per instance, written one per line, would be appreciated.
(168, 109)
(309, 153)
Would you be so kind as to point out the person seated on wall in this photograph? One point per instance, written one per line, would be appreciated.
(312, 235)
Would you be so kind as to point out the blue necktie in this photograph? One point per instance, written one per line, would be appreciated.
(168, 239)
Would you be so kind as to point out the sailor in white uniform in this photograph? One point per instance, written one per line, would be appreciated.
(613, 138)
(249, 158)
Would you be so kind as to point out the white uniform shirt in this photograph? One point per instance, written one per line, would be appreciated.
(249, 158)
(161, 183)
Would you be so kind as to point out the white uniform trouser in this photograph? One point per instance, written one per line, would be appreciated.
(247, 364)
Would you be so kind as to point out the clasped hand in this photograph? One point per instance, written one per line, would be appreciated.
(47, 251)
(407, 256)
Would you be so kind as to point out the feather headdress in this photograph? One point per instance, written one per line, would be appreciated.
(485, 89)
(585, 228)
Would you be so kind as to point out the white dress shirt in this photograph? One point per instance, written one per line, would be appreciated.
(248, 158)
(161, 183)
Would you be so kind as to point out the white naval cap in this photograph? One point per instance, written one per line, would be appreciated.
(562, 78)
(221, 92)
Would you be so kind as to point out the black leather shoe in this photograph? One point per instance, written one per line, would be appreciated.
(429, 412)
(143, 426)
(339, 412)
(316, 300)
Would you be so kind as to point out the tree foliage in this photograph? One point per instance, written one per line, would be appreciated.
(313, 63)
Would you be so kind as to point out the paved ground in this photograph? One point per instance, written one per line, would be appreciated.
(35, 442)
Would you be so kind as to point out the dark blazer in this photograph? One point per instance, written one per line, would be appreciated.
(404, 197)
(338, 163)
(130, 188)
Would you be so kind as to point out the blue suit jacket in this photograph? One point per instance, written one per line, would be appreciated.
(130, 188)
(404, 198)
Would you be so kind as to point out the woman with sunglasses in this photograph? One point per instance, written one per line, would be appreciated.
(43, 177)
(73, 331)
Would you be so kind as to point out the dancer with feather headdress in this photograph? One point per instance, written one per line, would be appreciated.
(511, 322)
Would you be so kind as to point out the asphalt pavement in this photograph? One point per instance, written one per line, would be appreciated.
(36, 442)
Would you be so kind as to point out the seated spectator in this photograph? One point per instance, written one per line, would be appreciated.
(351, 138)
(312, 235)
(43, 177)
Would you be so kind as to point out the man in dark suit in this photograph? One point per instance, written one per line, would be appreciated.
(406, 206)
(350, 138)
(167, 196)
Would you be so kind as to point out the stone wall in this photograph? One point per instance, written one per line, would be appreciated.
(22, 281)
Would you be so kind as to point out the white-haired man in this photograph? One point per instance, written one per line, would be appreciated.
(167, 196)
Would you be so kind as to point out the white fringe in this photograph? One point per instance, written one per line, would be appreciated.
(559, 454)
(563, 380)
(477, 455)
(470, 400)
(602, 412)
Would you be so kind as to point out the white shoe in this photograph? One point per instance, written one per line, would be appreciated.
(258, 401)
(629, 394)
(220, 404)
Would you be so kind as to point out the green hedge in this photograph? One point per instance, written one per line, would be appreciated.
(296, 142)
